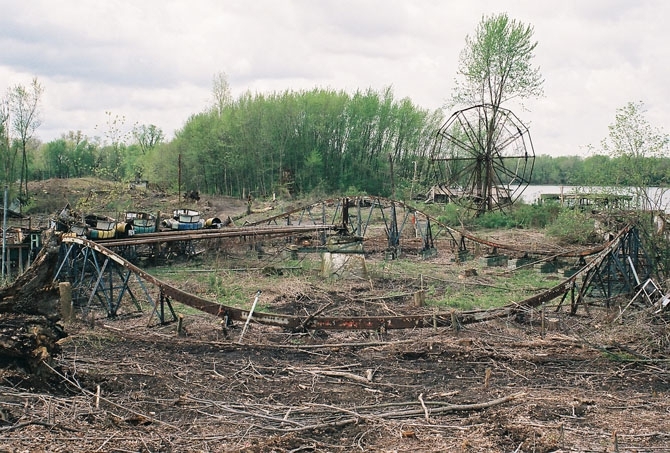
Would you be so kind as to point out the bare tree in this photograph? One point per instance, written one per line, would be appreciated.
(5, 150)
(221, 92)
(25, 119)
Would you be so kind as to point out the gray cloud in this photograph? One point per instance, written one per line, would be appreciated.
(153, 61)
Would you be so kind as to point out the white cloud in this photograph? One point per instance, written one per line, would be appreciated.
(153, 61)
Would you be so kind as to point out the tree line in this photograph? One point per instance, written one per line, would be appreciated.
(324, 141)
(600, 170)
(297, 143)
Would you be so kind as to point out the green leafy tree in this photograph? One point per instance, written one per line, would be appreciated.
(57, 160)
(83, 152)
(25, 119)
(296, 142)
(147, 136)
(637, 146)
(545, 171)
(595, 170)
(496, 64)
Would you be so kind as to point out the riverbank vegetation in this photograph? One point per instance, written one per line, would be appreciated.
(300, 143)
(294, 144)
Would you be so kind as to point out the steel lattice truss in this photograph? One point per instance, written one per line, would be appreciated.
(98, 273)
(483, 157)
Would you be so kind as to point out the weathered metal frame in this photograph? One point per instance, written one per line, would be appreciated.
(486, 160)
(96, 276)
(568, 286)
(619, 272)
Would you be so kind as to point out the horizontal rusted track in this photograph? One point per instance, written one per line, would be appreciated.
(226, 232)
(355, 323)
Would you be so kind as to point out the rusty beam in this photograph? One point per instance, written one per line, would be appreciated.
(355, 323)
(189, 235)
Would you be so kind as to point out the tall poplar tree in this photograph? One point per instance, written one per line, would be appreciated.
(25, 119)
(496, 64)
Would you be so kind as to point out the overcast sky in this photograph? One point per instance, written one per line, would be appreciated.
(153, 61)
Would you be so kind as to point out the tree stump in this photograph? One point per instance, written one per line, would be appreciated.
(30, 315)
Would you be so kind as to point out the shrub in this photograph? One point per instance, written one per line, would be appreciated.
(455, 216)
(535, 216)
(573, 227)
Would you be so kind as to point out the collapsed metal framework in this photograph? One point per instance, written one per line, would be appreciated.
(98, 273)
(622, 270)
(357, 214)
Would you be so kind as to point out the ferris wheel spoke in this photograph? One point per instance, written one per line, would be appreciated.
(465, 146)
(473, 134)
(459, 159)
(465, 173)
(503, 143)
(488, 153)
(504, 170)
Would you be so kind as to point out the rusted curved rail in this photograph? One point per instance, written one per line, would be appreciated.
(457, 236)
(368, 322)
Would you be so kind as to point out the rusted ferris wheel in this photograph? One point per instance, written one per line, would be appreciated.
(483, 158)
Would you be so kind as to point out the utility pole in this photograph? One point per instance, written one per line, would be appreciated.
(4, 233)
(179, 176)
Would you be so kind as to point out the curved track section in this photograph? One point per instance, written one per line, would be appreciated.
(368, 323)
(355, 213)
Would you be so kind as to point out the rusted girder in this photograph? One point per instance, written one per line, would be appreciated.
(236, 232)
(355, 323)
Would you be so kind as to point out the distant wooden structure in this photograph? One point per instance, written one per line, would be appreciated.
(600, 201)
(441, 193)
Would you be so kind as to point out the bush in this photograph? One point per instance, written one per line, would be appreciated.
(535, 216)
(496, 220)
(520, 215)
(454, 216)
(573, 227)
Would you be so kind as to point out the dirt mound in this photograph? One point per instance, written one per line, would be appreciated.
(92, 195)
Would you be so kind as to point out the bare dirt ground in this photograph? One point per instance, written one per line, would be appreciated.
(499, 386)
(590, 382)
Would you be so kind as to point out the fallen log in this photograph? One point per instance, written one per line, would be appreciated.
(30, 315)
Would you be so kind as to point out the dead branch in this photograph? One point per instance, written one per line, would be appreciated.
(454, 407)
(343, 374)
(93, 394)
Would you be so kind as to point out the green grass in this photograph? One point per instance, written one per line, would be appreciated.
(493, 286)
(444, 290)
(495, 292)
(234, 288)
